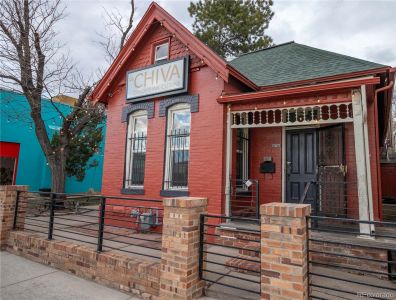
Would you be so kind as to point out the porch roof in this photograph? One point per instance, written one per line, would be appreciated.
(292, 62)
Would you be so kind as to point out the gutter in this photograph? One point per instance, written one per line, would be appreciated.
(376, 135)
(261, 95)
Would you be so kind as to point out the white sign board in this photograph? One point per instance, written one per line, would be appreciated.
(164, 79)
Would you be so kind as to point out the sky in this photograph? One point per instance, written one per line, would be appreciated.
(363, 29)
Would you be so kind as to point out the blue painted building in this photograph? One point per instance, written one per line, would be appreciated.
(21, 154)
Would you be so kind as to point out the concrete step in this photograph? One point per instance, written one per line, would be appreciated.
(247, 241)
(243, 264)
(221, 292)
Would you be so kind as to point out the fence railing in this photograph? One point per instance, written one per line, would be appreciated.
(344, 263)
(245, 198)
(229, 256)
(130, 225)
(332, 198)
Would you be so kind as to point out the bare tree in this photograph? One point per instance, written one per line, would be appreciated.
(118, 28)
(31, 58)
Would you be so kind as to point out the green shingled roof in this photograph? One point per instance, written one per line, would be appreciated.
(291, 62)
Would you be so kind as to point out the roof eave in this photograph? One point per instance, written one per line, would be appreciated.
(238, 75)
(325, 79)
(155, 12)
(262, 95)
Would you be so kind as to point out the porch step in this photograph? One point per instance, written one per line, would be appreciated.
(247, 241)
(246, 212)
(250, 249)
(243, 264)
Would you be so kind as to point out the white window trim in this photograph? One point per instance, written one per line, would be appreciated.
(129, 153)
(171, 111)
(157, 59)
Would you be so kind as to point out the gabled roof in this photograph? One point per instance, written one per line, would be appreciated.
(155, 14)
(293, 62)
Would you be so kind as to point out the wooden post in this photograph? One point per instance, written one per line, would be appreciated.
(362, 159)
(228, 162)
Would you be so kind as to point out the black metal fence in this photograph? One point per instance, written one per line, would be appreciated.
(345, 263)
(245, 198)
(229, 259)
(332, 198)
(130, 225)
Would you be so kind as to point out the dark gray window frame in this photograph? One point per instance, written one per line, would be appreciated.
(131, 108)
(126, 111)
(193, 100)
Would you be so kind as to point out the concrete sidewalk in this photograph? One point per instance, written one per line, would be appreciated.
(22, 279)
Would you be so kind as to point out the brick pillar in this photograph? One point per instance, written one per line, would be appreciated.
(8, 195)
(180, 248)
(284, 260)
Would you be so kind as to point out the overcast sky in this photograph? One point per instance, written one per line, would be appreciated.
(364, 29)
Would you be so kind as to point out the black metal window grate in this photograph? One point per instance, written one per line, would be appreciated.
(178, 158)
(137, 163)
(136, 151)
(242, 156)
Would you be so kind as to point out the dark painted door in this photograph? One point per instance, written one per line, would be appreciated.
(301, 165)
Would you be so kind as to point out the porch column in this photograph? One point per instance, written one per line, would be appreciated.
(284, 251)
(179, 277)
(9, 195)
(228, 161)
(362, 158)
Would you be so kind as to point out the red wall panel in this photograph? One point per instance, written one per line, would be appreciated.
(8, 149)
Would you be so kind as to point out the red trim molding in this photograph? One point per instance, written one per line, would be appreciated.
(156, 14)
(325, 79)
(262, 95)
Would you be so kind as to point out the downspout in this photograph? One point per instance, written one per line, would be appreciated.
(376, 133)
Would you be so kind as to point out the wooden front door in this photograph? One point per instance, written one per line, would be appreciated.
(301, 165)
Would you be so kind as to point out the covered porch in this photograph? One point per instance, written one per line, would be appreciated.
(302, 149)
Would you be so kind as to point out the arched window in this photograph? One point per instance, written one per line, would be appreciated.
(136, 150)
(177, 147)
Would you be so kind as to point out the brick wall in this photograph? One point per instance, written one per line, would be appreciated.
(180, 248)
(366, 255)
(8, 196)
(261, 143)
(207, 126)
(284, 265)
(388, 175)
(126, 273)
(176, 276)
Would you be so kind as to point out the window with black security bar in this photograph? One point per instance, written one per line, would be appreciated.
(178, 148)
(242, 157)
(136, 151)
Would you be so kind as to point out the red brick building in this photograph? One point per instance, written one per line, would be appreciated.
(289, 123)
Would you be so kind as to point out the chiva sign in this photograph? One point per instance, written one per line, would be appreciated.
(159, 80)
